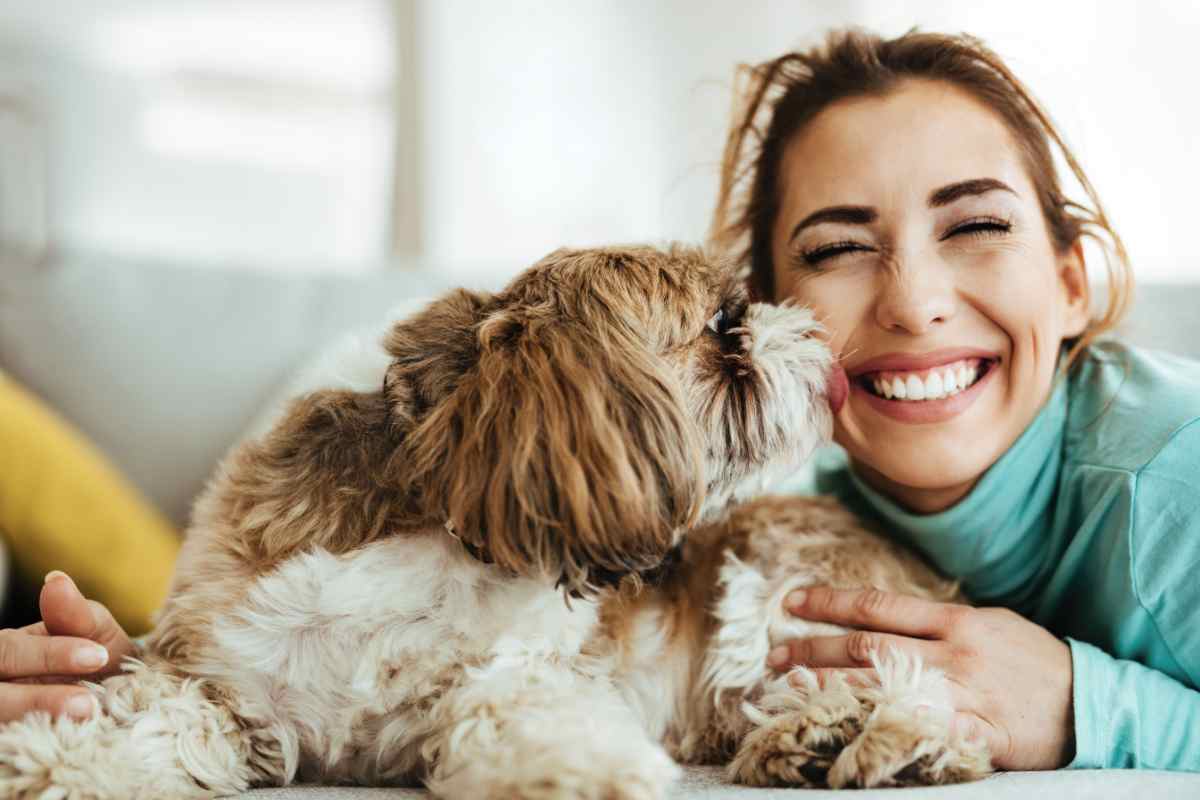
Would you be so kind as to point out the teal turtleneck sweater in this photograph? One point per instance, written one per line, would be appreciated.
(1089, 525)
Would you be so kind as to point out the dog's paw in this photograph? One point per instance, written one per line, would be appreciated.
(797, 736)
(898, 747)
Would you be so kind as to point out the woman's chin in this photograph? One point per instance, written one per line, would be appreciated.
(926, 473)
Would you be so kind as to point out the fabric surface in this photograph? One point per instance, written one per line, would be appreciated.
(63, 506)
(707, 783)
(1090, 526)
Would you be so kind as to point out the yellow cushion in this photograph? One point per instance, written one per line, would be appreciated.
(64, 506)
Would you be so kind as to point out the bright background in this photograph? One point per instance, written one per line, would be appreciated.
(469, 138)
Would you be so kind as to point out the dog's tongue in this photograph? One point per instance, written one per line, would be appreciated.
(839, 387)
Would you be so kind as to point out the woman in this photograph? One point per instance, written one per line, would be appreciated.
(906, 190)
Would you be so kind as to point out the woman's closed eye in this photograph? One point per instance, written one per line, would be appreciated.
(979, 226)
(816, 255)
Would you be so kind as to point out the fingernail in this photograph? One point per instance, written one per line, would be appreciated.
(81, 706)
(55, 573)
(92, 657)
(778, 657)
(795, 600)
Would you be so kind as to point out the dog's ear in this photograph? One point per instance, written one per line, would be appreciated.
(431, 351)
(320, 477)
(564, 452)
(333, 471)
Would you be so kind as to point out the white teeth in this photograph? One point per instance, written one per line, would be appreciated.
(936, 385)
(933, 386)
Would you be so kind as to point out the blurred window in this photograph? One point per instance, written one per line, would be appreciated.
(254, 132)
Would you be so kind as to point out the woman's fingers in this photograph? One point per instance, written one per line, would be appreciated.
(852, 649)
(18, 699)
(874, 610)
(23, 655)
(66, 612)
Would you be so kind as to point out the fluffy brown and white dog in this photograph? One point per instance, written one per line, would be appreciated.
(522, 565)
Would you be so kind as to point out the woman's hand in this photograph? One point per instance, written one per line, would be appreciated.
(1010, 679)
(39, 662)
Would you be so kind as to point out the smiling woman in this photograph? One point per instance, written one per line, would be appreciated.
(906, 190)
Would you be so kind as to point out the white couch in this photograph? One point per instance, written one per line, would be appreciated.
(165, 367)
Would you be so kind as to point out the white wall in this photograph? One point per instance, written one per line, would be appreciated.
(254, 132)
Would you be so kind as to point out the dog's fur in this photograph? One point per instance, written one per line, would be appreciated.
(528, 565)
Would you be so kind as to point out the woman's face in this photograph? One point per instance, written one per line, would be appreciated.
(909, 224)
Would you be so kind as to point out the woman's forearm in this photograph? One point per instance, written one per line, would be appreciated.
(1128, 715)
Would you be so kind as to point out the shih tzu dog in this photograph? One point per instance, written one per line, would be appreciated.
(528, 563)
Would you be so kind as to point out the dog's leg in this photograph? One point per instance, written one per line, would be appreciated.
(534, 728)
(156, 735)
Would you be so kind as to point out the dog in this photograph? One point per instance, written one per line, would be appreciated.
(533, 561)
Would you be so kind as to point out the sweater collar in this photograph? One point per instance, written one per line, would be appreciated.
(992, 537)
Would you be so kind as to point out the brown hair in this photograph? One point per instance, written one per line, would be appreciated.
(779, 97)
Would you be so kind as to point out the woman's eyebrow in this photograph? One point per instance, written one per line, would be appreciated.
(865, 215)
(951, 192)
(851, 215)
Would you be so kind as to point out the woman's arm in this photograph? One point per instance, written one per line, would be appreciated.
(1128, 715)
(1010, 683)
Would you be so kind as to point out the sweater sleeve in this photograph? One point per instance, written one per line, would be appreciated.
(1128, 714)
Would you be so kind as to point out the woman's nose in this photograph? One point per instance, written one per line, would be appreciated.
(914, 300)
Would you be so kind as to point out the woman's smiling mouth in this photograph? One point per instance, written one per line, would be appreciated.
(927, 388)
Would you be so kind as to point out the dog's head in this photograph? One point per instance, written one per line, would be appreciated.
(575, 424)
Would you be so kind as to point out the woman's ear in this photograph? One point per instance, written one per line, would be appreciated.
(1075, 291)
